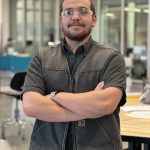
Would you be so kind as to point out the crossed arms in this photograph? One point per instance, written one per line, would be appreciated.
(72, 106)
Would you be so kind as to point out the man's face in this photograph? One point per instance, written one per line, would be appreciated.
(77, 19)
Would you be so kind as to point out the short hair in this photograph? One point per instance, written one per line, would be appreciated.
(92, 7)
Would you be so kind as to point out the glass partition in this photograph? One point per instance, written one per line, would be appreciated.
(48, 21)
(136, 20)
(136, 17)
(110, 23)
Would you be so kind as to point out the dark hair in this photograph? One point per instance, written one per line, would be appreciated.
(9, 39)
(92, 6)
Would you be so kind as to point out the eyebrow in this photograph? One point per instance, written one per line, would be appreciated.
(76, 8)
(68, 8)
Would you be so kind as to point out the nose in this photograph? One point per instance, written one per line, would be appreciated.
(76, 15)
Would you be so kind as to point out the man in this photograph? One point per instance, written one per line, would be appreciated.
(8, 48)
(75, 89)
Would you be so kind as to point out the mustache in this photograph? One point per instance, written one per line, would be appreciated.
(76, 24)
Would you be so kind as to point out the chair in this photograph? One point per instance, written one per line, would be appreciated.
(16, 84)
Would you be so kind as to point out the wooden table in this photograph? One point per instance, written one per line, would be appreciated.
(135, 131)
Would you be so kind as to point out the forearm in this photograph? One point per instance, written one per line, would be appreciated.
(91, 104)
(41, 107)
(78, 103)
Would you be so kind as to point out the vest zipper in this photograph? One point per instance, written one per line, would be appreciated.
(71, 85)
(65, 136)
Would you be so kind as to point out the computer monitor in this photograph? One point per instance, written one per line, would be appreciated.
(141, 50)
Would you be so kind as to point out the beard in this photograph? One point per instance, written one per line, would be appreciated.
(76, 36)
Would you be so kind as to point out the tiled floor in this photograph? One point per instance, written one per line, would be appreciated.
(7, 111)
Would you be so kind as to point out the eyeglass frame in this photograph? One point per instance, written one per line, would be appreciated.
(77, 11)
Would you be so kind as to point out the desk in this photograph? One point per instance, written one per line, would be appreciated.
(14, 63)
(133, 130)
(4, 62)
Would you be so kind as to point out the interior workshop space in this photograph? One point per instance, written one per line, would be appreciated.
(27, 25)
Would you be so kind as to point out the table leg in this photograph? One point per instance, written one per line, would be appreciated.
(146, 146)
(134, 146)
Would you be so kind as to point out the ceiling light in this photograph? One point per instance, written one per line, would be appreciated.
(146, 10)
(109, 14)
(132, 9)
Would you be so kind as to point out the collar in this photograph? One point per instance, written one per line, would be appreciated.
(82, 49)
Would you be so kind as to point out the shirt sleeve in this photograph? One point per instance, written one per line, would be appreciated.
(115, 74)
(34, 80)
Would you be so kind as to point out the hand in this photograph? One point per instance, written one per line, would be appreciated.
(100, 85)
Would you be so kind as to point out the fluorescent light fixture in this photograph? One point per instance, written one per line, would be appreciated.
(146, 10)
(109, 14)
(132, 9)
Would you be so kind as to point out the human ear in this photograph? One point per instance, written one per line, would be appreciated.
(94, 20)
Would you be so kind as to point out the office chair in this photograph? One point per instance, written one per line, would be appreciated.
(16, 84)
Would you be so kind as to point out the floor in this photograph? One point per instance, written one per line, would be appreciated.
(7, 105)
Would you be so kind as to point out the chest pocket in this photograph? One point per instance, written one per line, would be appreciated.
(56, 80)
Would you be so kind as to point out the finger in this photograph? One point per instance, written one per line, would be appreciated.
(100, 85)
